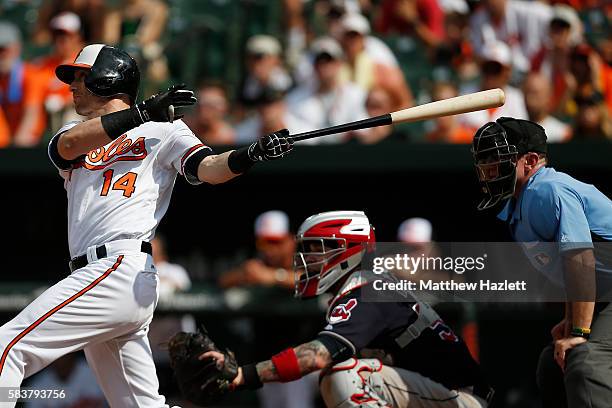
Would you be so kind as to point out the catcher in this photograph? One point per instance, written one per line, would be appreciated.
(432, 367)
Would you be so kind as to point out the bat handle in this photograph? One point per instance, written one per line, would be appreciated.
(346, 127)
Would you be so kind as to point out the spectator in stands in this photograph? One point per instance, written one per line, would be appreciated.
(264, 70)
(67, 42)
(273, 265)
(377, 49)
(496, 67)
(537, 91)
(208, 120)
(72, 376)
(272, 114)
(520, 24)
(553, 60)
(593, 119)
(329, 101)
(423, 19)
(365, 71)
(448, 129)
(91, 12)
(138, 25)
(374, 46)
(379, 103)
(590, 75)
(415, 235)
(22, 116)
(456, 51)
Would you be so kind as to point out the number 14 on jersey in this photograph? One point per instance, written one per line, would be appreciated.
(124, 183)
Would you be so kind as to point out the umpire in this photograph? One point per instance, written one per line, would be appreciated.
(569, 225)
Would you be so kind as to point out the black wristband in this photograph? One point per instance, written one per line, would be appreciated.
(117, 123)
(251, 378)
(239, 161)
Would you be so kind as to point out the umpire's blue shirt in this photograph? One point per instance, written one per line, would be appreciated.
(556, 213)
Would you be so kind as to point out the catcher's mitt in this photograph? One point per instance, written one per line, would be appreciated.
(200, 381)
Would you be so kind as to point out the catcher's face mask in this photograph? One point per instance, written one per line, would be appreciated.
(495, 160)
(313, 258)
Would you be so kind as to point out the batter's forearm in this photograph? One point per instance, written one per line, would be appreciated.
(82, 138)
(214, 169)
(311, 356)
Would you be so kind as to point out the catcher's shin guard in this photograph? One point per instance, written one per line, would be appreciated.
(354, 383)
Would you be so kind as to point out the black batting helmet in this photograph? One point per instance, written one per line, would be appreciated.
(496, 147)
(112, 71)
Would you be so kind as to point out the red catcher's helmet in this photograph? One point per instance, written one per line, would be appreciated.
(329, 246)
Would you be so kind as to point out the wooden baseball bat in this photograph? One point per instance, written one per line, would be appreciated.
(492, 98)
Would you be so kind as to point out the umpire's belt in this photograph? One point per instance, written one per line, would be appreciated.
(109, 249)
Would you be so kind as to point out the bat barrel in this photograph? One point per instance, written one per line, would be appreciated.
(346, 127)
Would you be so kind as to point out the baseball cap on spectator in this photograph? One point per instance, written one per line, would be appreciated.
(355, 23)
(272, 225)
(68, 22)
(498, 52)
(9, 34)
(566, 17)
(263, 45)
(526, 135)
(327, 46)
(414, 230)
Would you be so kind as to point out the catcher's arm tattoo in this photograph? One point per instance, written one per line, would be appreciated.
(311, 356)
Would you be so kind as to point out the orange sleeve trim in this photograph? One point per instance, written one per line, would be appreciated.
(56, 308)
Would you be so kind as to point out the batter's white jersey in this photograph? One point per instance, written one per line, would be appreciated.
(122, 190)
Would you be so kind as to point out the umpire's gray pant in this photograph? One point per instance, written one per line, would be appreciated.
(587, 381)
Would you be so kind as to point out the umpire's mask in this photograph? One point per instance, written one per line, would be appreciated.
(495, 161)
(496, 148)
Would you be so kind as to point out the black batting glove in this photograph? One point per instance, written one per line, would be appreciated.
(271, 147)
(166, 106)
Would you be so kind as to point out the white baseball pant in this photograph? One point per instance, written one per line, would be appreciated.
(103, 308)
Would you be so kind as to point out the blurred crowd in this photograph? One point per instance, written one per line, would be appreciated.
(335, 61)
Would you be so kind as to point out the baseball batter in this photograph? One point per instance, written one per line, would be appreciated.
(119, 167)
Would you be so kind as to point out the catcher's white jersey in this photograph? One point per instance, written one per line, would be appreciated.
(122, 190)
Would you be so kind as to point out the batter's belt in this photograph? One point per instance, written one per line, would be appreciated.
(108, 249)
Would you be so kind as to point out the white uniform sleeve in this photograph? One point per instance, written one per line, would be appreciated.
(62, 165)
(182, 145)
